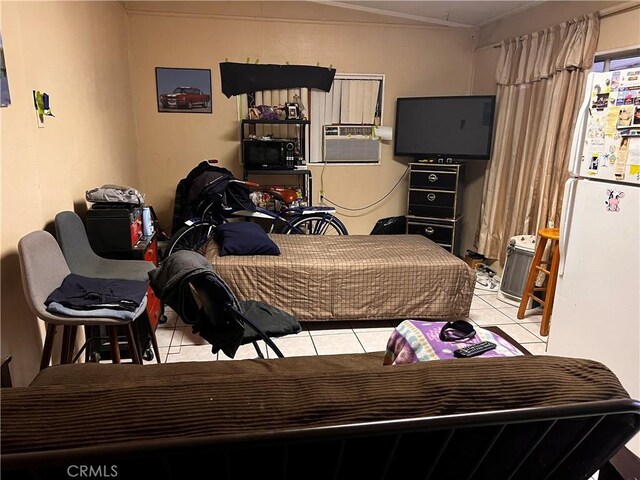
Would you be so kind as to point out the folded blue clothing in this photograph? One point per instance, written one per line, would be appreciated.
(85, 293)
(59, 309)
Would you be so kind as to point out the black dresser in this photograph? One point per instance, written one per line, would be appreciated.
(435, 203)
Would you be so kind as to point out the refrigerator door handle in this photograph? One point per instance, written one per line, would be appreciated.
(565, 224)
(579, 131)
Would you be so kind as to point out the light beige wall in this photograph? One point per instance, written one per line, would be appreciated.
(620, 31)
(416, 61)
(617, 31)
(77, 53)
(539, 17)
(482, 83)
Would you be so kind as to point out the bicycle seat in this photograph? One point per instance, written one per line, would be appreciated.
(285, 195)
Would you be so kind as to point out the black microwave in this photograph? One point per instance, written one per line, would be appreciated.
(274, 154)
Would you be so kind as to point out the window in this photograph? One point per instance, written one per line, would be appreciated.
(354, 99)
(616, 61)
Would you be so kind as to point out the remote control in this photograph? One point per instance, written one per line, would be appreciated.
(473, 350)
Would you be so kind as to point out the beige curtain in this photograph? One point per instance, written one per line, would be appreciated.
(540, 80)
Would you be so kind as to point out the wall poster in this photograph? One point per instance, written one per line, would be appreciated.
(183, 90)
(5, 96)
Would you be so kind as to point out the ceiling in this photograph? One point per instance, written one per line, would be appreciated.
(469, 14)
(452, 13)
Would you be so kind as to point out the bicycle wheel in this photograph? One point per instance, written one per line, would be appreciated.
(315, 224)
(191, 237)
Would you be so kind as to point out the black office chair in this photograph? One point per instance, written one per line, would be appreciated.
(187, 283)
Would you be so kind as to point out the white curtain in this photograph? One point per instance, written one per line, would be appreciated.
(540, 80)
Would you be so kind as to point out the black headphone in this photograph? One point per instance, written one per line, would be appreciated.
(457, 331)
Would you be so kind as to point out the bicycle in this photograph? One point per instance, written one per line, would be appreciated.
(289, 220)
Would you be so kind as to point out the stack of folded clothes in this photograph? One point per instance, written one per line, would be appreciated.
(80, 296)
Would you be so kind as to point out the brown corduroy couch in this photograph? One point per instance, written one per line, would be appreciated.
(342, 416)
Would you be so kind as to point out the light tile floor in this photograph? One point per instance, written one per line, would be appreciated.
(178, 344)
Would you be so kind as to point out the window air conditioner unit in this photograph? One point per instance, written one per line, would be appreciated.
(520, 253)
(350, 144)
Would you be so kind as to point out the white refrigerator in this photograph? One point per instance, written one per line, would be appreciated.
(596, 309)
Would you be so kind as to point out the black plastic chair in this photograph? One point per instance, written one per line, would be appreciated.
(187, 283)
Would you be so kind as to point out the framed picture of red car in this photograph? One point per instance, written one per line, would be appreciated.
(183, 90)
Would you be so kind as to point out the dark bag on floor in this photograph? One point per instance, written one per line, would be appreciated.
(390, 226)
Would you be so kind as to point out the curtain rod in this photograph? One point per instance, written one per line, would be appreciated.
(605, 15)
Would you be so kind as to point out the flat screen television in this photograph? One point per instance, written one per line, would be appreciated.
(448, 128)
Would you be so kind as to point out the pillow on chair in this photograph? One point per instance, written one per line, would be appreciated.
(244, 238)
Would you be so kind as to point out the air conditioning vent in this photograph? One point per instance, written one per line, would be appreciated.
(350, 144)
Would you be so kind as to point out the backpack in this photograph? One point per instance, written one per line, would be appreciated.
(207, 184)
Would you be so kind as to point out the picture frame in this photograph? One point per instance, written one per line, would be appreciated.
(292, 111)
(183, 90)
(5, 95)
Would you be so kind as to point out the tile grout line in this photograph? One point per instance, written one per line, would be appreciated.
(315, 349)
(359, 341)
(518, 322)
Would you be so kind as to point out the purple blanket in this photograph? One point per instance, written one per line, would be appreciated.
(418, 341)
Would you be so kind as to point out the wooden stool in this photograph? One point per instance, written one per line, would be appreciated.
(530, 288)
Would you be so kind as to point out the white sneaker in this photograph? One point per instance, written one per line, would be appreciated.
(484, 282)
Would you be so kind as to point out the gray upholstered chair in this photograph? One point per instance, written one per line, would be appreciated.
(82, 260)
(43, 268)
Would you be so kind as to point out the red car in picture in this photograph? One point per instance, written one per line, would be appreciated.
(185, 97)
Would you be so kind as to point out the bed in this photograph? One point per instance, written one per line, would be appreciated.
(352, 277)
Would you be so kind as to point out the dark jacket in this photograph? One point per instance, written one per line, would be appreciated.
(172, 283)
(221, 319)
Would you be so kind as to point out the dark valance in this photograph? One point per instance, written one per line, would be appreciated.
(238, 78)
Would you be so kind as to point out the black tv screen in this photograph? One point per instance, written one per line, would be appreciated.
(445, 127)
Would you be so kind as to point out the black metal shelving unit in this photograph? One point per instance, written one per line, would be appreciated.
(247, 127)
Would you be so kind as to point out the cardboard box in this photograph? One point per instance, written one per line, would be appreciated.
(473, 262)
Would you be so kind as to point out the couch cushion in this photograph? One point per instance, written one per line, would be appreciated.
(92, 374)
(179, 403)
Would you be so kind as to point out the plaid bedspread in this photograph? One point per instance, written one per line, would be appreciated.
(353, 277)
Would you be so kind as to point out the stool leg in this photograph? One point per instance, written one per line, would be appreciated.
(531, 279)
(154, 340)
(73, 331)
(132, 341)
(113, 343)
(136, 334)
(48, 346)
(66, 340)
(551, 290)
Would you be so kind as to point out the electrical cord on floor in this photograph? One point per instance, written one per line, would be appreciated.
(328, 200)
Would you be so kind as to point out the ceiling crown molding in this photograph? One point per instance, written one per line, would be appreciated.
(388, 13)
